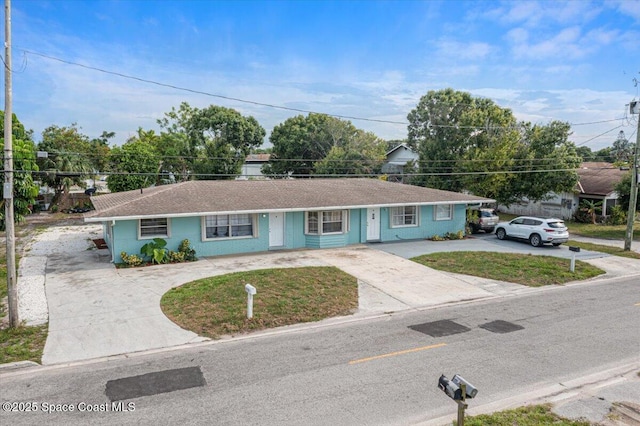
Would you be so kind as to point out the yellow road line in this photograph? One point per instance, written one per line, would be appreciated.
(408, 351)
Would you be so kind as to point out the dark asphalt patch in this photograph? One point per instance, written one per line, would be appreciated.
(440, 328)
(154, 383)
(501, 327)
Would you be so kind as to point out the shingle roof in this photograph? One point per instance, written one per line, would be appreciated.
(598, 178)
(227, 196)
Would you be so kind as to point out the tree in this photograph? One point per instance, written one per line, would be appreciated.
(549, 162)
(100, 151)
(25, 190)
(472, 144)
(585, 153)
(222, 138)
(300, 142)
(134, 165)
(622, 150)
(623, 189)
(68, 162)
(209, 143)
(604, 154)
(361, 154)
(591, 209)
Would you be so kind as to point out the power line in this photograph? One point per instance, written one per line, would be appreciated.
(230, 98)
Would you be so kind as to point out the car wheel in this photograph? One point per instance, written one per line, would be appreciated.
(490, 230)
(501, 234)
(556, 244)
(535, 240)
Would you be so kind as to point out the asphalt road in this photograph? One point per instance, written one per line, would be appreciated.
(375, 371)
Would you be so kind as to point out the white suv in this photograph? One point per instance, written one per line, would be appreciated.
(536, 230)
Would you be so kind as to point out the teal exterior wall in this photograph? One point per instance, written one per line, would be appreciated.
(125, 233)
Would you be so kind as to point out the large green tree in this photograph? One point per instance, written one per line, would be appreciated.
(362, 153)
(321, 144)
(68, 161)
(135, 164)
(472, 144)
(25, 190)
(208, 143)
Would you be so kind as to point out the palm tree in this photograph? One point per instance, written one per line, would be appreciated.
(591, 208)
(63, 171)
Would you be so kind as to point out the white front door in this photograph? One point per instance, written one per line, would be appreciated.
(276, 229)
(373, 224)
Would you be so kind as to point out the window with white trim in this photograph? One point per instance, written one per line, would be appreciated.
(326, 222)
(228, 226)
(153, 228)
(404, 216)
(443, 212)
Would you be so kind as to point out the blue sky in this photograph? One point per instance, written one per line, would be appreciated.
(573, 61)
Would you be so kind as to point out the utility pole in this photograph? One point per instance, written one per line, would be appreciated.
(634, 108)
(7, 190)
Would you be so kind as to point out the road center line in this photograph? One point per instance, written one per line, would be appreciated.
(408, 351)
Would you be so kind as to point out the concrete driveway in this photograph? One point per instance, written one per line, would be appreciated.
(95, 310)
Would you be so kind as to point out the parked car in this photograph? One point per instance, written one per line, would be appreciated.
(536, 230)
(486, 220)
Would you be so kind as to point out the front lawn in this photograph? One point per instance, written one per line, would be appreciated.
(527, 269)
(532, 415)
(217, 306)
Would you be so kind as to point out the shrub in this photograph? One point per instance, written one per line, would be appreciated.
(454, 235)
(131, 260)
(187, 250)
(175, 256)
(618, 216)
(437, 238)
(155, 251)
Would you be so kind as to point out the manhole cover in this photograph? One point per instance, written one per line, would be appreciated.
(440, 328)
(500, 326)
(154, 383)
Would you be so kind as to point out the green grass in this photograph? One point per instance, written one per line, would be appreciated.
(22, 343)
(615, 251)
(533, 415)
(216, 306)
(526, 269)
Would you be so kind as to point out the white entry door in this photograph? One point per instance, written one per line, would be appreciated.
(276, 229)
(373, 224)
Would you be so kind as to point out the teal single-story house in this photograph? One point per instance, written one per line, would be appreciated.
(234, 216)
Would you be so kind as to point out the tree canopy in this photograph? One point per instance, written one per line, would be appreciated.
(321, 144)
(208, 143)
(25, 190)
(470, 143)
(135, 164)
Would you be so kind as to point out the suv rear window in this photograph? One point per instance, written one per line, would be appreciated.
(556, 224)
(484, 213)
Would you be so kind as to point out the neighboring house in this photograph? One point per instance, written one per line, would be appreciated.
(237, 216)
(397, 158)
(596, 182)
(252, 167)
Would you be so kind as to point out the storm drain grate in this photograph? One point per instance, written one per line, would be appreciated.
(440, 328)
(501, 327)
(154, 383)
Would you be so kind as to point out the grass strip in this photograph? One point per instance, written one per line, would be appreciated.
(526, 269)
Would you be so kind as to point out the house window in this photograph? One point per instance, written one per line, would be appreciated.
(153, 228)
(327, 222)
(228, 226)
(404, 216)
(443, 212)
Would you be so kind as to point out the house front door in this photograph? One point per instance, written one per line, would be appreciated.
(373, 224)
(276, 229)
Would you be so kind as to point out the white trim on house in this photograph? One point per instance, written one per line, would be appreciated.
(415, 215)
(436, 216)
(229, 225)
(344, 221)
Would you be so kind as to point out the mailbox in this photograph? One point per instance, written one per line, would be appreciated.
(250, 289)
(576, 249)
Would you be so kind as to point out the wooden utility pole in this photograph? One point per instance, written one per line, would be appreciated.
(7, 190)
(634, 108)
